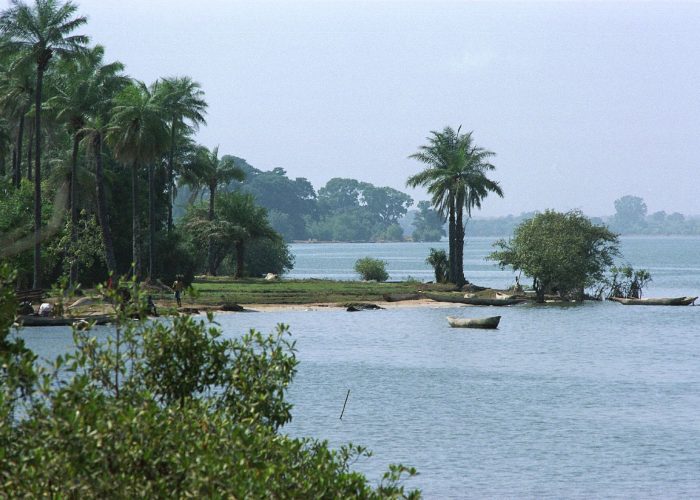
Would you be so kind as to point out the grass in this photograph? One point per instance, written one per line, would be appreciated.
(212, 291)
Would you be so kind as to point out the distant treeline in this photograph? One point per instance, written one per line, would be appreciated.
(630, 218)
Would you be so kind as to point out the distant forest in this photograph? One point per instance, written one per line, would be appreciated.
(352, 210)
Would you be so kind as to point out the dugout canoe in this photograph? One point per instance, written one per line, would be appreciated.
(31, 320)
(490, 322)
(473, 301)
(660, 301)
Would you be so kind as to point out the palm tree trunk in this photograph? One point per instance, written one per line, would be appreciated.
(210, 246)
(136, 258)
(459, 246)
(14, 162)
(451, 243)
(17, 177)
(30, 142)
(240, 255)
(74, 210)
(102, 214)
(37, 176)
(170, 176)
(151, 222)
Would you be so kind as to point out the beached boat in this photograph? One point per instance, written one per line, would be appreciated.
(31, 320)
(487, 323)
(661, 301)
(473, 301)
(398, 297)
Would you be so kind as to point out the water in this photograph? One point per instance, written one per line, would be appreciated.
(673, 261)
(599, 400)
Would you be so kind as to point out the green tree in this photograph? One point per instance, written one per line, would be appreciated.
(16, 98)
(183, 100)
(428, 224)
(561, 252)
(630, 212)
(82, 85)
(456, 179)
(138, 135)
(39, 33)
(212, 172)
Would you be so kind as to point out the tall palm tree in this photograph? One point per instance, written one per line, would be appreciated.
(81, 86)
(138, 135)
(16, 96)
(210, 171)
(456, 180)
(183, 99)
(40, 32)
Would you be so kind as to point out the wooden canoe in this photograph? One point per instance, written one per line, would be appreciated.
(661, 301)
(486, 323)
(473, 301)
(398, 297)
(31, 320)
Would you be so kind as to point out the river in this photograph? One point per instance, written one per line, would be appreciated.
(578, 401)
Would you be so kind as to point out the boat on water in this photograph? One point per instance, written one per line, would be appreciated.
(473, 301)
(660, 301)
(490, 322)
(32, 320)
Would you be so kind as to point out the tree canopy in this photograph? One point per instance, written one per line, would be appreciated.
(563, 253)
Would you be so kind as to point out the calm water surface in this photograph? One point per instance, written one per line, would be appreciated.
(599, 400)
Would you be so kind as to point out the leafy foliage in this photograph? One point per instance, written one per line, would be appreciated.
(626, 282)
(563, 252)
(428, 224)
(438, 260)
(164, 410)
(371, 269)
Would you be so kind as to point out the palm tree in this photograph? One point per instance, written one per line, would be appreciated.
(238, 221)
(138, 135)
(40, 32)
(249, 223)
(16, 96)
(82, 85)
(456, 180)
(183, 99)
(210, 171)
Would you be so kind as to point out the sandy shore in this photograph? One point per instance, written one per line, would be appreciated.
(406, 304)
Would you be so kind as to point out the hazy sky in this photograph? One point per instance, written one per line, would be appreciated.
(582, 102)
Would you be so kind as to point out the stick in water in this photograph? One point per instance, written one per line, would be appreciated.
(346, 402)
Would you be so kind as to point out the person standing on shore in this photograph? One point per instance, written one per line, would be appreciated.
(178, 286)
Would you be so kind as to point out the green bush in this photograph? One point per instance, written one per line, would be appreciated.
(371, 269)
(163, 410)
(438, 259)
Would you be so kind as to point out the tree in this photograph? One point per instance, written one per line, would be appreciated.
(138, 135)
(428, 224)
(39, 33)
(16, 96)
(456, 180)
(237, 222)
(630, 212)
(182, 99)
(562, 252)
(83, 86)
(212, 172)
(290, 200)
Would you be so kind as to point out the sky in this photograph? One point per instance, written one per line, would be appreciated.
(582, 103)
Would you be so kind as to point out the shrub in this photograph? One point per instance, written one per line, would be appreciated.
(438, 259)
(371, 269)
(163, 410)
